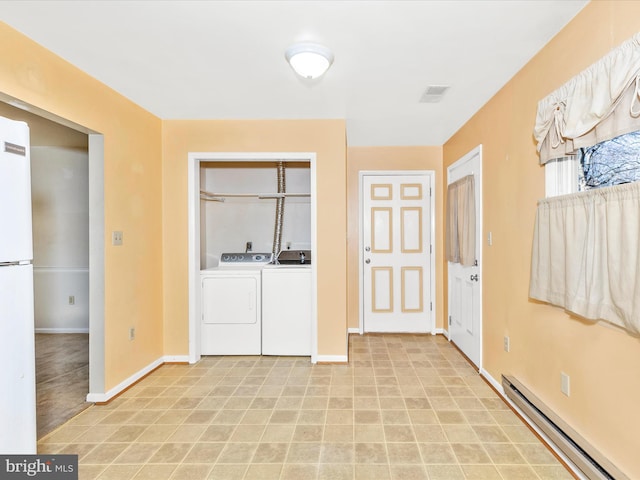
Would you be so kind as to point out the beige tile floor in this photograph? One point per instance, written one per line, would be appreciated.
(405, 407)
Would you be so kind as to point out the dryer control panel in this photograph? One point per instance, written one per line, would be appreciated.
(249, 258)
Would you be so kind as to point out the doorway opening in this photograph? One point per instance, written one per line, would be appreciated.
(68, 229)
(198, 258)
(465, 277)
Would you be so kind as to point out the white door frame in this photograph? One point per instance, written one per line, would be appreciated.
(194, 159)
(95, 152)
(431, 175)
(97, 376)
(476, 151)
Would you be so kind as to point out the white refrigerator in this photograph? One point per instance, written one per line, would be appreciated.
(17, 335)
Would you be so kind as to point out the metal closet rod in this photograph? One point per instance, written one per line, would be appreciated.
(221, 196)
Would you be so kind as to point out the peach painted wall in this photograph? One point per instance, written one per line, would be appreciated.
(601, 360)
(389, 158)
(132, 185)
(327, 139)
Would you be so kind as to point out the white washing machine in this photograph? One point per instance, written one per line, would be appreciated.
(286, 310)
(231, 305)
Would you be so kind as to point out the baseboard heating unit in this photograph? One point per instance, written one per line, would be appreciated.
(584, 456)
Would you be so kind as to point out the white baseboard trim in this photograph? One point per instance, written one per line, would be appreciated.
(105, 397)
(332, 359)
(435, 331)
(62, 330)
(498, 386)
(495, 384)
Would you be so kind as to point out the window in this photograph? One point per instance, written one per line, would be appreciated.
(605, 164)
(612, 162)
(562, 176)
(586, 246)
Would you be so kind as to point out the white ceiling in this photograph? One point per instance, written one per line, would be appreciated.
(225, 59)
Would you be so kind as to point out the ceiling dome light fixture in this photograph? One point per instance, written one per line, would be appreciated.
(309, 60)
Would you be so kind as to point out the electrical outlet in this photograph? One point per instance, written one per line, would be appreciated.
(565, 383)
(72, 300)
(117, 238)
(507, 343)
(132, 333)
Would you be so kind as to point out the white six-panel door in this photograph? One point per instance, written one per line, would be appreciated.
(396, 242)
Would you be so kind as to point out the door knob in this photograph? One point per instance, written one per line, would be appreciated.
(367, 249)
(367, 261)
(474, 278)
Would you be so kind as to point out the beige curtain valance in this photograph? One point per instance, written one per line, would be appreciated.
(600, 103)
(586, 254)
(461, 221)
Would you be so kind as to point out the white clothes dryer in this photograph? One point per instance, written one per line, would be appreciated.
(231, 305)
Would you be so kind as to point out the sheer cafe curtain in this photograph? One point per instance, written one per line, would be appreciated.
(585, 246)
(586, 254)
(461, 222)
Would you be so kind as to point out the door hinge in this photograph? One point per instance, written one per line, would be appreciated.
(429, 191)
(431, 306)
(449, 319)
(430, 248)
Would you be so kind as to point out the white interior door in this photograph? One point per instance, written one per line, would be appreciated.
(396, 242)
(465, 283)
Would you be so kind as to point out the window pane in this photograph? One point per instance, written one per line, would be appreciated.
(612, 162)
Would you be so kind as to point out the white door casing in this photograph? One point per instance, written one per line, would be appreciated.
(396, 252)
(465, 283)
(193, 186)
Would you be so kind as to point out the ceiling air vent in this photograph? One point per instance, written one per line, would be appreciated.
(434, 93)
